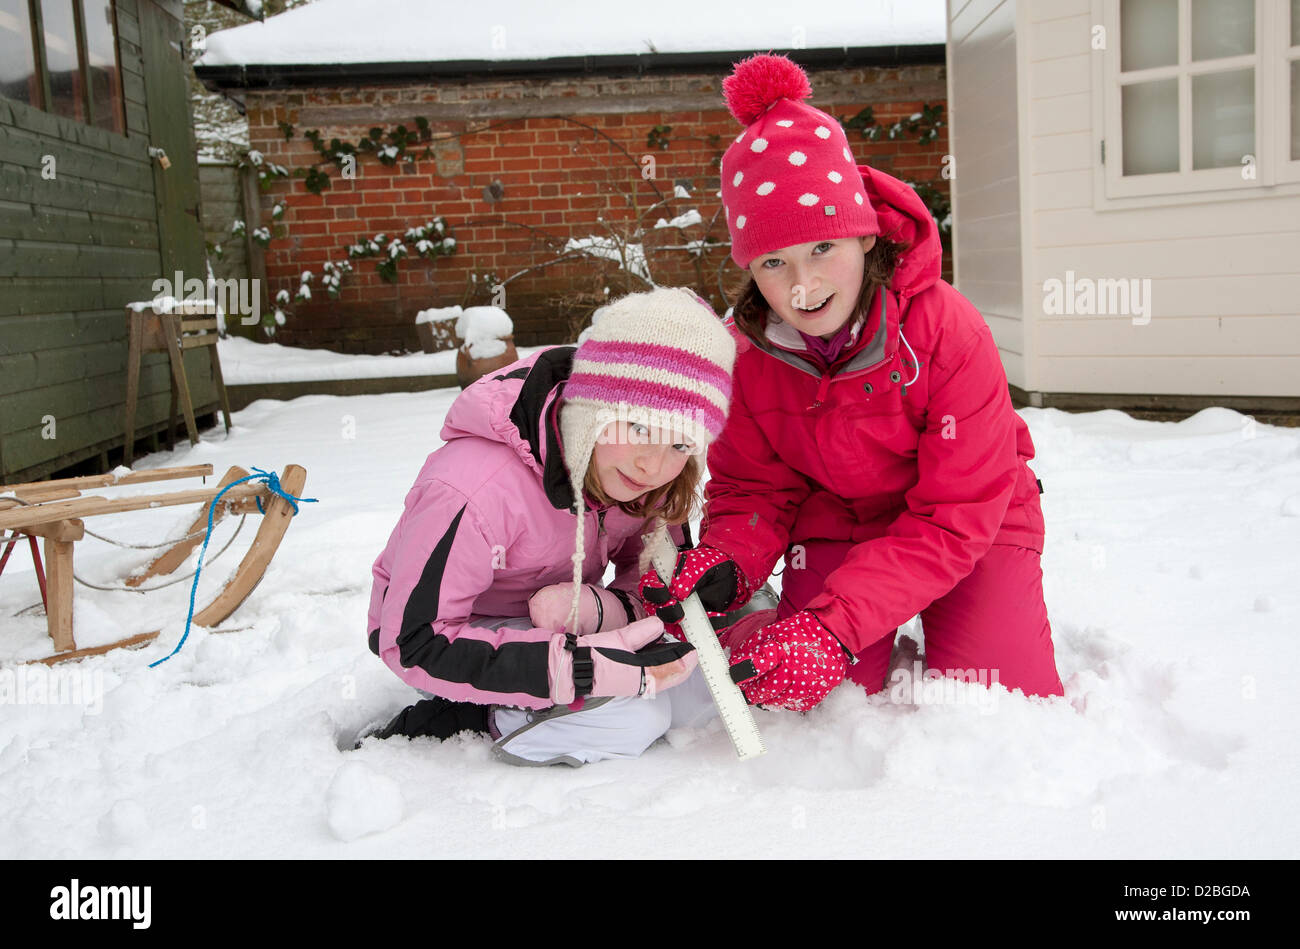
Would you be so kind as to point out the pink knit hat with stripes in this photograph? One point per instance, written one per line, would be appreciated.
(662, 359)
(789, 177)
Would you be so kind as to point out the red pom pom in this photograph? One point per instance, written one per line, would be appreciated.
(759, 81)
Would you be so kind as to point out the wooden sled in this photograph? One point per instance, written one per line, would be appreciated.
(55, 509)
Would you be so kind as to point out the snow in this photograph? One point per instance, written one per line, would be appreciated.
(484, 329)
(682, 220)
(609, 248)
(361, 801)
(344, 31)
(1177, 737)
(244, 362)
(438, 314)
(166, 304)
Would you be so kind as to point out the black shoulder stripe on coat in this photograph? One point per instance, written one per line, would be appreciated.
(549, 370)
(514, 667)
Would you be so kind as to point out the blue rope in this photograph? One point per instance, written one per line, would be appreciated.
(273, 485)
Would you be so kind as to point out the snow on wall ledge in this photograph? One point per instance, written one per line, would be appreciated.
(343, 31)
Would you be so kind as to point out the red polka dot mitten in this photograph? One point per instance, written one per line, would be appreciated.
(793, 663)
(705, 571)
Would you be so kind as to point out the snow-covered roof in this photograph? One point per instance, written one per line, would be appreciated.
(401, 31)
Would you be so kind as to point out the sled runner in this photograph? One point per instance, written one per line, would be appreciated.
(53, 510)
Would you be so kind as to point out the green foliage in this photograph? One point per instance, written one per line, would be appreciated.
(431, 240)
(924, 125)
(658, 137)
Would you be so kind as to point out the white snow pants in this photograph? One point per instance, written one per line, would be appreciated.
(602, 728)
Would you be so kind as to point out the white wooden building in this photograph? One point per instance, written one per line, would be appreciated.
(1126, 196)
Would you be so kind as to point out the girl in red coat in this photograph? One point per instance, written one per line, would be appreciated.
(890, 470)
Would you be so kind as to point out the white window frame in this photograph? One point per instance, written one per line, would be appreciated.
(1273, 173)
(1288, 168)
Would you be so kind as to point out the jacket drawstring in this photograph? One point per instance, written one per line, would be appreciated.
(916, 362)
(821, 391)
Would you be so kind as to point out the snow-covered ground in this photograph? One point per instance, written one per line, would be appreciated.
(244, 362)
(1170, 578)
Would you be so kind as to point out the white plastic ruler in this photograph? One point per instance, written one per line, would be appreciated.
(732, 707)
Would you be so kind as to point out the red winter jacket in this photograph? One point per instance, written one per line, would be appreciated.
(910, 448)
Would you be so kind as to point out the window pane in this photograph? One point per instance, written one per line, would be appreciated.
(1295, 110)
(1148, 34)
(18, 78)
(105, 78)
(1223, 118)
(1222, 28)
(61, 58)
(1150, 120)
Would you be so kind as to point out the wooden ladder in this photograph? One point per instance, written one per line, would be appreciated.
(185, 325)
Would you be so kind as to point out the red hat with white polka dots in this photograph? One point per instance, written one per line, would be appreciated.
(789, 177)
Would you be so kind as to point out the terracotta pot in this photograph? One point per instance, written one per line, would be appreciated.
(468, 370)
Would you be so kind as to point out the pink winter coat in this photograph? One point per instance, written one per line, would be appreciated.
(489, 522)
(915, 454)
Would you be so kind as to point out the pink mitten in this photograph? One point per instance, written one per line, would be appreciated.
(617, 662)
(793, 663)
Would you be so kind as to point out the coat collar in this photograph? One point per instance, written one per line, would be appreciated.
(874, 341)
(536, 416)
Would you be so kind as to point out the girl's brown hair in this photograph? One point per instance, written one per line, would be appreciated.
(674, 501)
(750, 311)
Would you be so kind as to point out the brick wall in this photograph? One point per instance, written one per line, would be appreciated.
(568, 154)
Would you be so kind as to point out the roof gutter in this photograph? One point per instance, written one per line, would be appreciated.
(271, 76)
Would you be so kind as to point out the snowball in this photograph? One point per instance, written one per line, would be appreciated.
(125, 822)
(481, 323)
(361, 802)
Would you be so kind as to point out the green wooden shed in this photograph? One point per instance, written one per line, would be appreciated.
(99, 198)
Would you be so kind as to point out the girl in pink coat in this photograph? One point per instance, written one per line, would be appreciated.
(871, 439)
(488, 597)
